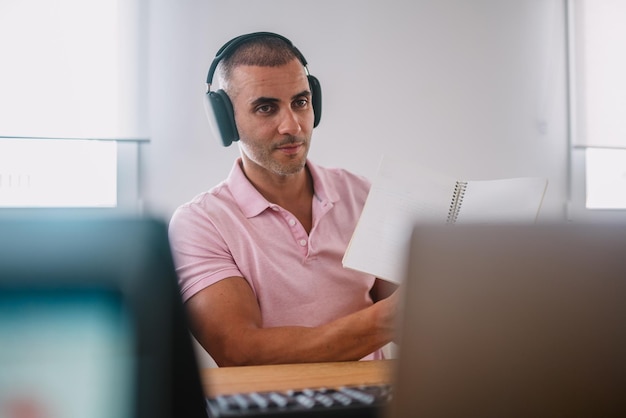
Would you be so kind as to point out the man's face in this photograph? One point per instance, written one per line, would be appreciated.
(274, 116)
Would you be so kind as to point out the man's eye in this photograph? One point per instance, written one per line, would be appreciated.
(265, 109)
(301, 103)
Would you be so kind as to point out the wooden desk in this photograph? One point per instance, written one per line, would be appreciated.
(228, 380)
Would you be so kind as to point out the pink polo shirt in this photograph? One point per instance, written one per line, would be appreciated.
(298, 279)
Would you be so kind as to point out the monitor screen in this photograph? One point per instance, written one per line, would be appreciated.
(65, 354)
(91, 321)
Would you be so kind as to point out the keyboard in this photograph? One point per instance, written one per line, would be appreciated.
(345, 402)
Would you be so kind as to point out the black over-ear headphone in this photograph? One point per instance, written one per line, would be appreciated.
(218, 106)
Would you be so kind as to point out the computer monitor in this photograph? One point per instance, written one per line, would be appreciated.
(513, 321)
(91, 322)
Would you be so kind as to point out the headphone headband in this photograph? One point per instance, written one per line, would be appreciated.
(231, 46)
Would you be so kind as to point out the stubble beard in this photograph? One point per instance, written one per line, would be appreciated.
(263, 156)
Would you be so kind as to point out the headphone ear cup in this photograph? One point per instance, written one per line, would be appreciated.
(219, 111)
(316, 99)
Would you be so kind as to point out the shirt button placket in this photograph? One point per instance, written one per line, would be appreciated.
(296, 229)
(298, 232)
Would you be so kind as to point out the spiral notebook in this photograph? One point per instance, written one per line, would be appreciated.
(403, 194)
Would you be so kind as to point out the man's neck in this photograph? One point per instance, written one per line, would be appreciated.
(282, 190)
(292, 192)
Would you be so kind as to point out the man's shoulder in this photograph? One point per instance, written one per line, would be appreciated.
(212, 199)
(338, 174)
(337, 182)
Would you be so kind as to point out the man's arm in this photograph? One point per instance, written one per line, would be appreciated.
(226, 320)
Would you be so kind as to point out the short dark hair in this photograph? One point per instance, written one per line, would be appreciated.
(264, 51)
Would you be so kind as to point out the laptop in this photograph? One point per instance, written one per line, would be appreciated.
(511, 320)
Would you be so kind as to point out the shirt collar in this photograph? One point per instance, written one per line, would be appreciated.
(252, 203)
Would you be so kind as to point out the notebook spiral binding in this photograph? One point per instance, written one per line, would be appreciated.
(457, 201)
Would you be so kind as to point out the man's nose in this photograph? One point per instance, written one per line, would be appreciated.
(289, 123)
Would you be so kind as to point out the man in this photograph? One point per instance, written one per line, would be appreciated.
(259, 255)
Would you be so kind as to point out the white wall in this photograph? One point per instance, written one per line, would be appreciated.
(476, 88)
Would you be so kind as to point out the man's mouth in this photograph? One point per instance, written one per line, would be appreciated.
(290, 148)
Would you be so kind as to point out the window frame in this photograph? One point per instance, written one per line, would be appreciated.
(129, 129)
(577, 168)
(129, 190)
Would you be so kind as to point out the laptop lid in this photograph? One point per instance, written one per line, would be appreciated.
(505, 321)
